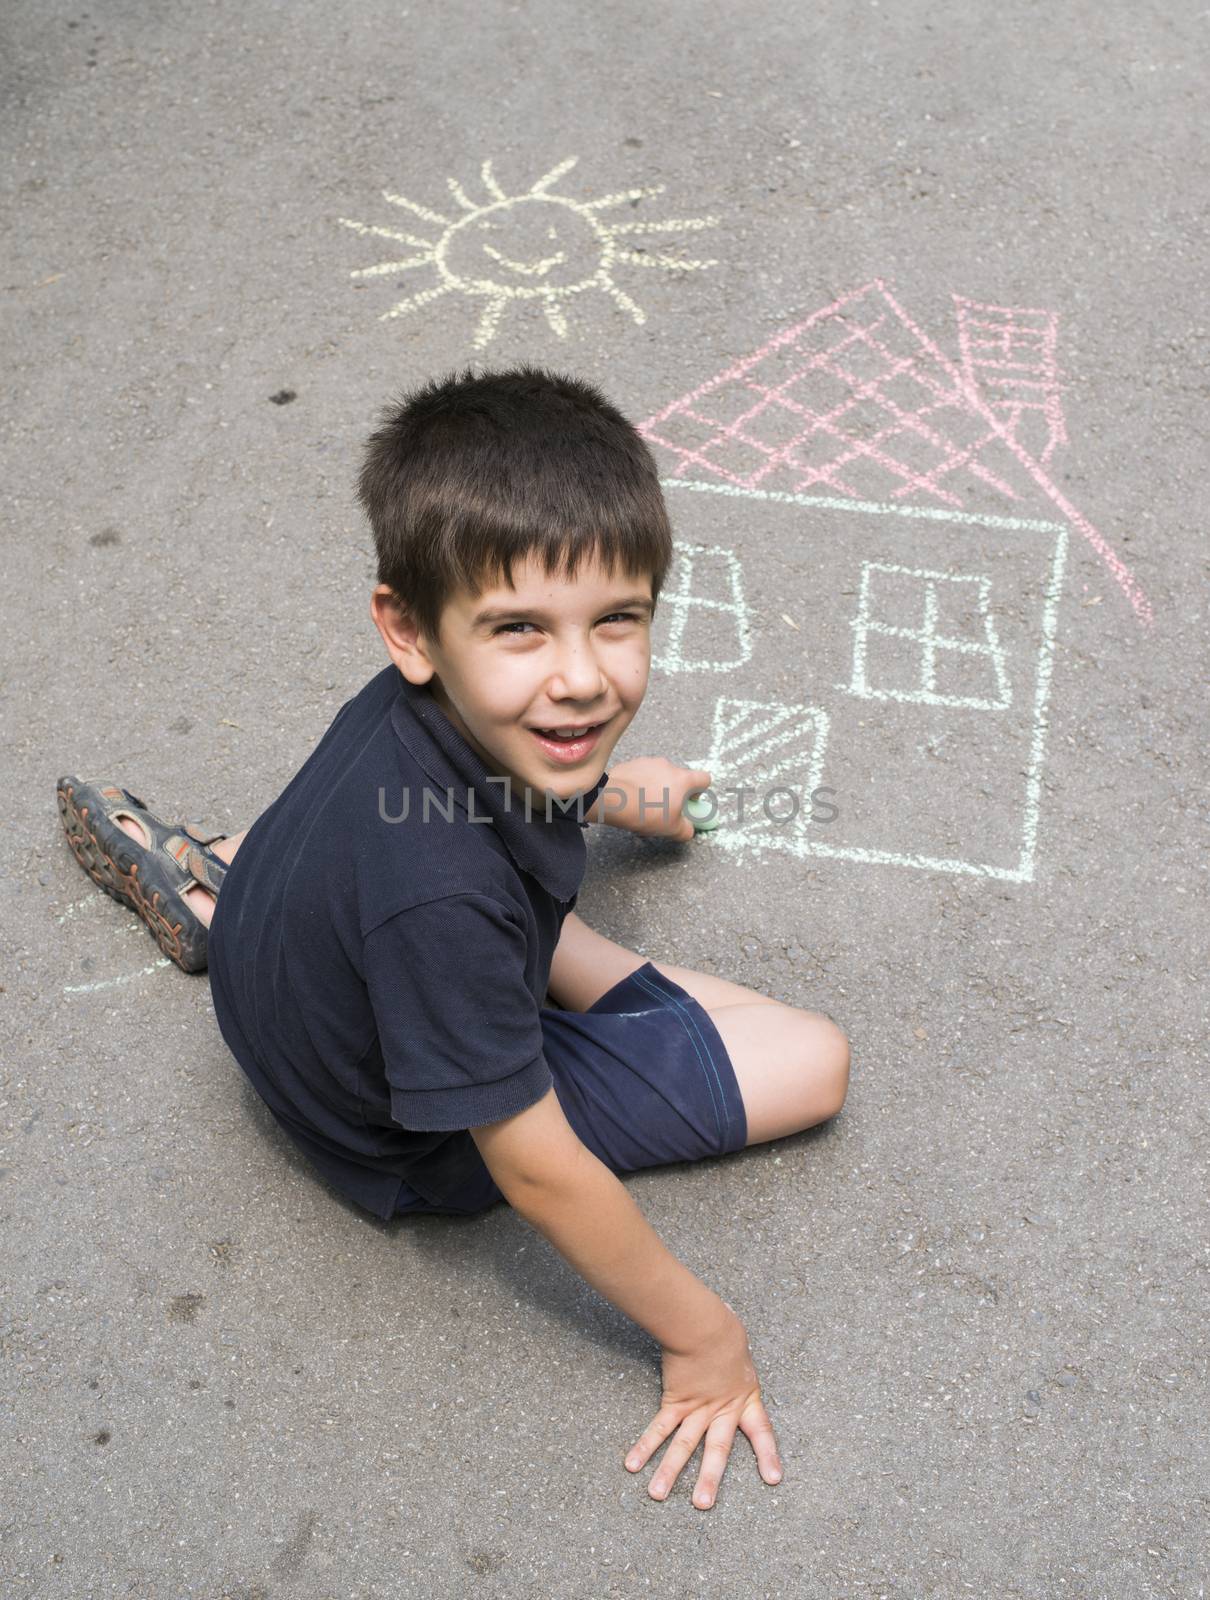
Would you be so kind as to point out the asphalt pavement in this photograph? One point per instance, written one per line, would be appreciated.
(910, 300)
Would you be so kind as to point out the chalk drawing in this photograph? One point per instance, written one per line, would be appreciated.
(530, 246)
(87, 903)
(1009, 356)
(99, 901)
(763, 747)
(1022, 781)
(703, 567)
(931, 643)
(855, 422)
(113, 983)
(834, 503)
(858, 400)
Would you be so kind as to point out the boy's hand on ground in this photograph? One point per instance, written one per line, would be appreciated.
(652, 799)
(712, 1390)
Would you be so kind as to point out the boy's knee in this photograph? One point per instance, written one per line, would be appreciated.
(830, 1060)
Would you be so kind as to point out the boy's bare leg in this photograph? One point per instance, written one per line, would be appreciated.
(201, 901)
(792, 1066)
(586, 965)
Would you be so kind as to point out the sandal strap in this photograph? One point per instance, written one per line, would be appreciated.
(197, 860)
(200, 834)
(208, 869)
(113, 792)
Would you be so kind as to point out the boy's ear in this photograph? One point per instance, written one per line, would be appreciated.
(405, 643)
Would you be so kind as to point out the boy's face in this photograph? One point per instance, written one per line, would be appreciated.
(548, 654)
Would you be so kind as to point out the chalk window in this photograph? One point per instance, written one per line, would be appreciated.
(929, 637)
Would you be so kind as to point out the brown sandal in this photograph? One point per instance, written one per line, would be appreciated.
(152, 879)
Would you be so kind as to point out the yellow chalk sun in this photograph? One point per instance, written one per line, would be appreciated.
(532, 246)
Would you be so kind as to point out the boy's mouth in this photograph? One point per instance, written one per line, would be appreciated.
(569, 750)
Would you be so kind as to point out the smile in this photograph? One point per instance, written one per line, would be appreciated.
(567, 752)
(535, 269)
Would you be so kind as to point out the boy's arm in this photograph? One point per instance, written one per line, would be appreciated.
(559, 1186)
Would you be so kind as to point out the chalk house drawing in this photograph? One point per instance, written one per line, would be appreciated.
(929, 540)
(530, 246)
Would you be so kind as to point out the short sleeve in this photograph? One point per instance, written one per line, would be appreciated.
(459, 1027)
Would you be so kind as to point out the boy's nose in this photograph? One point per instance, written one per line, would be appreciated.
(578, 675)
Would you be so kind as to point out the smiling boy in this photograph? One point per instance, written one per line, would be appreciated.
(394, 954)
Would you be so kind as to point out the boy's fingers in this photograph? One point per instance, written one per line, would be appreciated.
(720, 1436)
(764, 1445)
(657, 1430)
(675, 1457)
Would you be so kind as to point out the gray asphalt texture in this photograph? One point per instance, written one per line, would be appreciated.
(977, 1299)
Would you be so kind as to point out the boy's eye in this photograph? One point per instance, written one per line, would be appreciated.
(625, 616)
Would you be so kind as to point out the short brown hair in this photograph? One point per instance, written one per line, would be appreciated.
(468, 474)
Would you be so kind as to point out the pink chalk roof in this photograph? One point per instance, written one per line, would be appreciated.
(856, 402)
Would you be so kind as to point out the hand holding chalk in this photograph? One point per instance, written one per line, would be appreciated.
(655, 797)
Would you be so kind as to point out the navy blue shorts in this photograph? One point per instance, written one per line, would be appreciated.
(643, 1078)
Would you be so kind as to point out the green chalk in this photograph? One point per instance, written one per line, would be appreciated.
(702, 812)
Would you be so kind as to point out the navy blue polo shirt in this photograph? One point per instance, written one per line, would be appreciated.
(380, 948)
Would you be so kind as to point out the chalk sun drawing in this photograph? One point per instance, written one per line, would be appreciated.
(531, 246)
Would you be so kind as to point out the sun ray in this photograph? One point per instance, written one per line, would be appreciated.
(488, 322)
(624, 300)
(388, 233)
(489, 182)
(671, 262)
(622, 198)
(554, 315)
(461, 196)
(383, 267)
(683, 225)
(420, 211)
(553, 175)
(417, 300)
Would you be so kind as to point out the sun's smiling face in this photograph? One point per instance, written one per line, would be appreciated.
(531, 246)
(524, 248)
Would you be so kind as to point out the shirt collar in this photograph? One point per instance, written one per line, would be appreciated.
(552, 851)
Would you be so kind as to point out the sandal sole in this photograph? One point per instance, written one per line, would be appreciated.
(115, 870)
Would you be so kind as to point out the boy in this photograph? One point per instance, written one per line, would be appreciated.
(383, 940)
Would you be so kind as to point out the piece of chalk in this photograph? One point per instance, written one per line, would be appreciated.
(702, 813)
